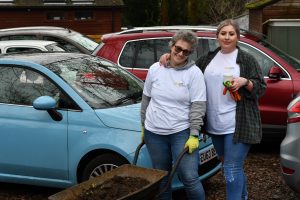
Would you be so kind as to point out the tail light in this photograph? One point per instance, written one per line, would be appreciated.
(294, 109)
(287, 170)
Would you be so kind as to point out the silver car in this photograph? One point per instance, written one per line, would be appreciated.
(70, 40)
(290, 147)
(15, 46)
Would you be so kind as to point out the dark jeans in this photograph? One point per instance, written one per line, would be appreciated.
(163, 150)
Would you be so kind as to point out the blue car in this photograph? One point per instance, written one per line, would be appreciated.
(67, 117)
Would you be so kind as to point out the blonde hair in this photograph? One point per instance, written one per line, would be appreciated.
(229, 22)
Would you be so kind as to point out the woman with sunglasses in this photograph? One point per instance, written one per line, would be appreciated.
(172, 110)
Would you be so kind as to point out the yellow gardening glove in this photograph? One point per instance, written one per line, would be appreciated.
(142, 133)
(192, 143)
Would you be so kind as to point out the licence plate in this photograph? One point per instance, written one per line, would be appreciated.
(207, 155)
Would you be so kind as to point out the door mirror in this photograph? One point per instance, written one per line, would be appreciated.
(44, 103)
(275, 73)
(49, 104)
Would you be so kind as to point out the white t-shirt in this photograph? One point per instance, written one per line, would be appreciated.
(221, 109)
(172, 92)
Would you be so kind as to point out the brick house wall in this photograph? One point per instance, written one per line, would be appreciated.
(255, 20)
(102, 16)
(260, 11)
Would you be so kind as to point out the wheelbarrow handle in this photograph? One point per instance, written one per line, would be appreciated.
(172, 173)
(174, 168)
(137, 151)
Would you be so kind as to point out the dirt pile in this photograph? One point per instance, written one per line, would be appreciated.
(114, 188)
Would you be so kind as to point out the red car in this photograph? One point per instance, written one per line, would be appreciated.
(137, 49)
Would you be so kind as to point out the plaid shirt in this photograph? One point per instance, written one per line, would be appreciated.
(248, 123)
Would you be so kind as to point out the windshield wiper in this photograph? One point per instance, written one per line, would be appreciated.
(135, 97)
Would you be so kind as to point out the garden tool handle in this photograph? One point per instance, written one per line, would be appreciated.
(172, 173)
(137, 151)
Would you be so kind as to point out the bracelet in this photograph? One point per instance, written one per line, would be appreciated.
(247, 83)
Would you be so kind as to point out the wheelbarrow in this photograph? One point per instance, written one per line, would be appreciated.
(148, 192)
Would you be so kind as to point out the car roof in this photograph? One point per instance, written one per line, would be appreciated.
(34, 28)
(42, 58)
(156, 31)
(167, 28)
(38, 29)
(167, 31)
(26, 42)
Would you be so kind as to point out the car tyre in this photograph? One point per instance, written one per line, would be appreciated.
(102, 164)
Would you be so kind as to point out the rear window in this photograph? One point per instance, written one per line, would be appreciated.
(143, 53)
(22, 49)
(68, 47)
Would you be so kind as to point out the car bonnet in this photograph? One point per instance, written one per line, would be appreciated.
(123, 117)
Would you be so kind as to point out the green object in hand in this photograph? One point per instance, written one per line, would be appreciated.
(192, 143)
(227, 84)
(234, 95)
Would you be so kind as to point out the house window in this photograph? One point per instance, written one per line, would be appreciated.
(47, 2)
(83, 15)
(83, 2)
(55, 16)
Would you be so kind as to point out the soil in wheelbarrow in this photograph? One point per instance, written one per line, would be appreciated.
(114, 188)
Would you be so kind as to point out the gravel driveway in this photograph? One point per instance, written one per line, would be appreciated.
(264, 180)
(262, 169)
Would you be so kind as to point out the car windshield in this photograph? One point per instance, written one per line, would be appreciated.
(84, 41)
(100, 83)
(291, 60)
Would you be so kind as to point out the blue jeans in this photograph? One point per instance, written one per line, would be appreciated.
(234, 155)
(164, 150)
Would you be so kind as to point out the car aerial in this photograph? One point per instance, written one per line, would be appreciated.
(290, 147)
(138, 48)
(69, 39)
(67, 117)
(15, 46)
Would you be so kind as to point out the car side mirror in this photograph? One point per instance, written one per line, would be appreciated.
(49, 104)
(275, 73)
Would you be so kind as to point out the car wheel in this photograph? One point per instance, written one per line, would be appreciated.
(101, 164)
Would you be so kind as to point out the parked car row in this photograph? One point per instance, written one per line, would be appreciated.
(64, 111)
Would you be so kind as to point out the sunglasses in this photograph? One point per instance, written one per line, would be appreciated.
(185, 52)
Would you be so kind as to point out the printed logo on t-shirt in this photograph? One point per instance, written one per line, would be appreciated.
(178, 83)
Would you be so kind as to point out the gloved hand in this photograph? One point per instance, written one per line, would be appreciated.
(192, 143)
(142, 133)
